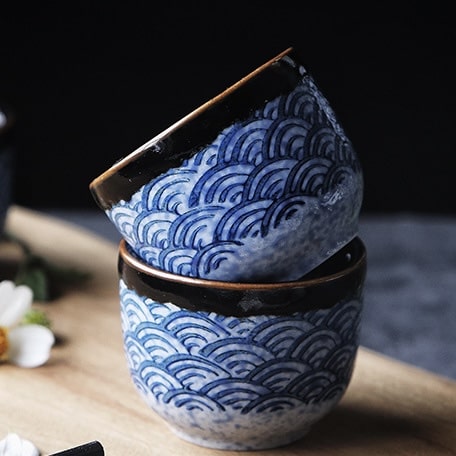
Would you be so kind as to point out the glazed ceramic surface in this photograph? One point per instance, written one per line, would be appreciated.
(6, 163)
(266, 187)
(247, 381)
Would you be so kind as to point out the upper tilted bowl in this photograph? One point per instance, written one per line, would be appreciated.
(259, 183)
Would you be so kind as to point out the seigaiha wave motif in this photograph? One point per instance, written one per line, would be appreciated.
(185, 362)
(287, 168)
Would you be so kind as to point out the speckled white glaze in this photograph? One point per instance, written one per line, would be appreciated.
(239, 383)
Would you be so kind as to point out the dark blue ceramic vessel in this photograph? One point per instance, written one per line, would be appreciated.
(259, 184)
(6, 162)
(242, 366)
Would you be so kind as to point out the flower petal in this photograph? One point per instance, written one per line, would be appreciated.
(30, 345)
(15, 301)
(13, 445)
(6, 292)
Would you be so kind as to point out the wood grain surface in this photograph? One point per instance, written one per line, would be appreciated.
(84, 392)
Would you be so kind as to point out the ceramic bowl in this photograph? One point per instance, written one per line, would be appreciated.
(260, 178)
(242, 366)
(6, 162)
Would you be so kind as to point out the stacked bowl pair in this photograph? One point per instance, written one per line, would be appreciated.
(241, 272)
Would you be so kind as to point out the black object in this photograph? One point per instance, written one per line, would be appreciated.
(93, 448)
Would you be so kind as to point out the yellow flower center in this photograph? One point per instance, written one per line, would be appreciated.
(3, 343)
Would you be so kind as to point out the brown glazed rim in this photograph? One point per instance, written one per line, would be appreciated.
(185, 137)
(324, 287)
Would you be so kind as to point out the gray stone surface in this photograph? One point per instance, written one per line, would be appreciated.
(410, 292)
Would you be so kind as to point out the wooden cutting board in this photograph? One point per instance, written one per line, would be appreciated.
(84, 392)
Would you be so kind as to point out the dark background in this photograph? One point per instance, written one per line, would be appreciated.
(91, 82)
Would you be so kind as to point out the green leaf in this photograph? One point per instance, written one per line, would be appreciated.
(36, 279)
(36, 317)
(46, 279)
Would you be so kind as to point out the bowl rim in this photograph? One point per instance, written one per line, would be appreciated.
(309, 280)
(311, 293)
(191, 115)
(276, 76)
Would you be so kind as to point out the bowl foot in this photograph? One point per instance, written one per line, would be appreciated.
(243, 444)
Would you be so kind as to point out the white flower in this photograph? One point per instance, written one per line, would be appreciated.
(27, 345)
(13, 445)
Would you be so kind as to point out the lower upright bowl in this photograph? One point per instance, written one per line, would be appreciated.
(242, 366)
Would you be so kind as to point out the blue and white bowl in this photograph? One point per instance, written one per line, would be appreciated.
(259, 184)
(242, 366)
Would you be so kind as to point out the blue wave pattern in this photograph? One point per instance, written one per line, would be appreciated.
(228, 211)
(216, 375)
